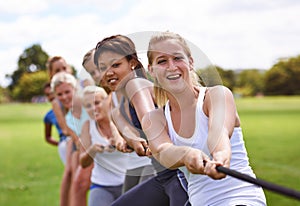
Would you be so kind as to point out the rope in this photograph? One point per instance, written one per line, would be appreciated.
(264, 184)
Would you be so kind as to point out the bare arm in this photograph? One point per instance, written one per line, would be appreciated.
(113, 114)
(129, 133)
(220, 108)
(86, 150)
(60, 118)
(140, 96)
(48, 134)
(163, 149)
(119, 141)
(138, 91)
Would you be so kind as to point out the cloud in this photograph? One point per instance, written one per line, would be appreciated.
(233, 34)
(22, 7)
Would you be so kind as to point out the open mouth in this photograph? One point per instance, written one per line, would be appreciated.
(112, 81)
(173, 76)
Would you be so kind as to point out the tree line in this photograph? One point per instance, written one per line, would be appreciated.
(283, 78)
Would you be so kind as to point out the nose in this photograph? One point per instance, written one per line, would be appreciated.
(93, 108)
(63, 96)
(171, 65)
(109, 71)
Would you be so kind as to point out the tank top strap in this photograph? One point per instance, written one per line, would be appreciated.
(202, 92)
(134, 121)
(115, 99)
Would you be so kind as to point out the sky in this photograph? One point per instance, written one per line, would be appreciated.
(233, 34)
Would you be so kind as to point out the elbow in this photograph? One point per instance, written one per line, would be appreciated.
(48, 139)
(65, 132)
(83, 162)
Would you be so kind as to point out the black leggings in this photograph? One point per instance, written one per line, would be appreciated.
(167, 188)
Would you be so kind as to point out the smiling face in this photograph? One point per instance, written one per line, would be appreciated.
(58, 66)
(170, 65)
(114, 69)
(93, 103)
(49, 94)
(64, 92)
(92, 69)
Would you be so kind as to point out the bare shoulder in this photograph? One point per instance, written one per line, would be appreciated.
(217, 93)
(218, 89)
(137, 85)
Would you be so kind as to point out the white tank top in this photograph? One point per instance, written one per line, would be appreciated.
(202, 189)
(109, 167)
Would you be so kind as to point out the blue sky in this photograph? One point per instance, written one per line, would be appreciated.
(232, 34)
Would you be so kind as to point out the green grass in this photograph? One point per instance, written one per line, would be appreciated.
(271, 132)
(30, 169)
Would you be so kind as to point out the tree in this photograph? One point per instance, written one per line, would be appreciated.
(31, 60)
(30, 85)
(284, 77)
(250, 82)
(215, 75)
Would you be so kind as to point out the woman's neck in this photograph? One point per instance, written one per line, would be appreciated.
(184, 99)
(104, 127)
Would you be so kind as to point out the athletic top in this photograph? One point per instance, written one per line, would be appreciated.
(51, 119)
(74, 123)
(204, 190)
(135, 160)
(109, 167)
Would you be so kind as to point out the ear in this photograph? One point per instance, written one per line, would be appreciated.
(132, 64)
(191, 63)
(150, 69)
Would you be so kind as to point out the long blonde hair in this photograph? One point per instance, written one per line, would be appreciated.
(159, 92)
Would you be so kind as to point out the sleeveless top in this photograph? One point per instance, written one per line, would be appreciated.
(74, 123)
(135, 160)
(202, 189)
(109, 167)
(137, 125)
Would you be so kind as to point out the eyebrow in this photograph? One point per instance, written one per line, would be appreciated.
(172, 54)
(112, 61)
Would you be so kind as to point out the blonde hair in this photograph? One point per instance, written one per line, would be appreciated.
(92, 89)
(160, 93)
(62, 77)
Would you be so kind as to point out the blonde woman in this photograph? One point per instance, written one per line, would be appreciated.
(198, 129)
(64, 86)
(110, 165)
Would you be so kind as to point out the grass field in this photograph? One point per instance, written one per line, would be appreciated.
(30, 169)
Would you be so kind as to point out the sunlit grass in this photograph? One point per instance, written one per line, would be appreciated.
(30, 169)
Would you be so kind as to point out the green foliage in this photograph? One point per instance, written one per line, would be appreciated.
(250, 82)
(284, 77)
(3, 95)
(32, 59)
(209, 76)
(228, 77)
(214, 75)
(30, 85)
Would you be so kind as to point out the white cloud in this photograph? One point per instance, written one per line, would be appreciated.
(23, 7)
(233, 34)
